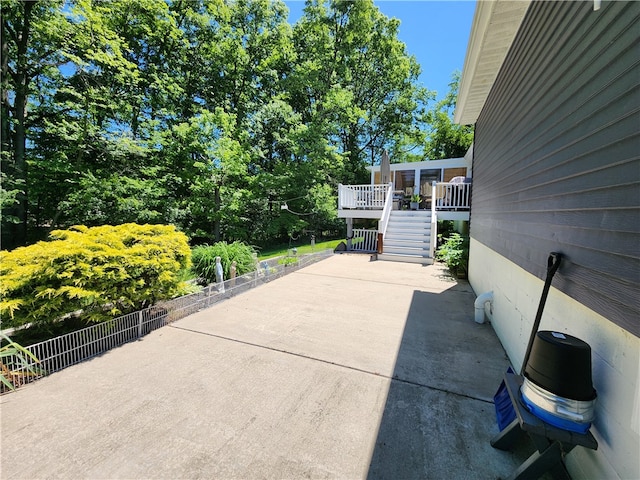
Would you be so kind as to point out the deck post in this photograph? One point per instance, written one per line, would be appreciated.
(349, 233)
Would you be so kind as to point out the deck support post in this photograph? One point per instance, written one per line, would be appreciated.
(349, 233)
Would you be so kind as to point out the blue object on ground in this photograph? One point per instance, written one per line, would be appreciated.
(505, 414)
(554, 420)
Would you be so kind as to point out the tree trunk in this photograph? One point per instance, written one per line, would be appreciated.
(5, 133)
(18, 167)
(216, 222)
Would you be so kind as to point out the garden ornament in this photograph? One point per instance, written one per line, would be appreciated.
(219, 275)
(232, 273)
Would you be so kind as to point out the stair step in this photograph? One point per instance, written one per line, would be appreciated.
(419, 252)
(417, 240)
(424, 236)
(409, 229)
(410, 213)
(405, 258)
(409, 221)
(404, 244)
(408, 237)
(412, 227)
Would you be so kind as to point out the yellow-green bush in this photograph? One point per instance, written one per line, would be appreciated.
(100, 271)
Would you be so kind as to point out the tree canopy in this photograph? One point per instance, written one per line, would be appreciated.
(204, 114)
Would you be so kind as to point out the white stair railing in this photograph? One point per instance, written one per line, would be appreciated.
(386, 211)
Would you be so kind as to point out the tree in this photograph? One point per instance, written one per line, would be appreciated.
(202, 113)
(355, 79)
(33, 47)
(203, 167)
(444, 138)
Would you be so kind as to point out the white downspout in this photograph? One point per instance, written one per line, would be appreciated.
(479, 305)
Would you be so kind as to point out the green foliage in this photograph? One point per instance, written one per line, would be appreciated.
(454, 252)
(204, 259)
(96, 273)
(286, 261)
(445, 229)
(9, 197)
(117, 198)
(444, 138)
(14, 363)
(303, 248)
(203, 114)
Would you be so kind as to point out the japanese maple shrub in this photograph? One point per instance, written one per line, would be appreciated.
(95, 273)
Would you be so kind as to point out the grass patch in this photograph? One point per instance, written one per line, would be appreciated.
(280, 250)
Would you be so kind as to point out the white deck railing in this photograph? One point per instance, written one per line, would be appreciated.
(446, 195)
(451, 196)
(364, 240)
(362, 196)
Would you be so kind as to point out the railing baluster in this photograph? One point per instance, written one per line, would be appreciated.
(367, 240)
(362, 196)
(451, 196)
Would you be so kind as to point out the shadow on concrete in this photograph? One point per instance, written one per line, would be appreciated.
(439, 415)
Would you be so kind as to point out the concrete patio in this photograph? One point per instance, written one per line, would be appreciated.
(345, 369)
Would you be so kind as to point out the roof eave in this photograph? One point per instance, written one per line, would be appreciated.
(495, 24)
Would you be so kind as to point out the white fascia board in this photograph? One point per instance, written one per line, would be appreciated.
(424, 165)
(495, 24)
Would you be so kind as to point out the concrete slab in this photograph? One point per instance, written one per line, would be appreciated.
(344, 369)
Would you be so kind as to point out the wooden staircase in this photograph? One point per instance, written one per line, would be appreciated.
(408, 237)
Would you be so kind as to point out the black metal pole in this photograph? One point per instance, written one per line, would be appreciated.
(553, 262)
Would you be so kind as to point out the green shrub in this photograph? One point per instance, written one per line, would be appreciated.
(288, 261)
(454, 252)
(96, 273)
(203, 258)
(445, 229)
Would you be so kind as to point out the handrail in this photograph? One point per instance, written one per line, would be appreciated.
(434, 221)
(386, 211)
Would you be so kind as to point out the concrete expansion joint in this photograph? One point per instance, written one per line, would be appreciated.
(443, 390)
(393, 378)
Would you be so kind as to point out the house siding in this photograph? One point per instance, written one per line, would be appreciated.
(557, 154)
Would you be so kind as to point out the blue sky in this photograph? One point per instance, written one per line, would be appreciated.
(435, 32)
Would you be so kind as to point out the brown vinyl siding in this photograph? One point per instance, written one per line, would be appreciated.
(557, 154)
